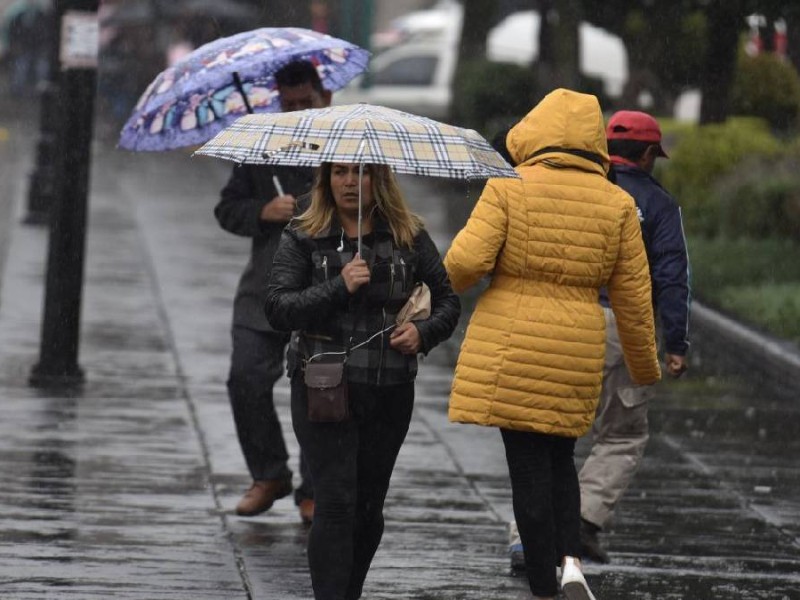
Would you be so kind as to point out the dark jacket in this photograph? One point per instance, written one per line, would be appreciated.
(308, 295)
(664, 241)
(248, 190)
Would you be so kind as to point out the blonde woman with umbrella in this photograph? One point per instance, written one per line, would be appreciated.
(342, 307)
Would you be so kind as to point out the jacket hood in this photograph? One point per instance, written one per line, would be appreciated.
(566, 129)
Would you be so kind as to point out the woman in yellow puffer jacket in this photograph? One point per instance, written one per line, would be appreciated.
(532, 358)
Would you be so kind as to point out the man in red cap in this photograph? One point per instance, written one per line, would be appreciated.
(638, 127)
(620, 430)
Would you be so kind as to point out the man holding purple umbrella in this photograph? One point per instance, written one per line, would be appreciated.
(257, 202)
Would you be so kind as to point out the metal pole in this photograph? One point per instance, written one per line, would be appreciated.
(347, 28)
(42, 184)
(58, 363)
(365, 40)
(366, 25)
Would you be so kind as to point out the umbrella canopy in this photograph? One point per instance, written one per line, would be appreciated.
(359, 133)
(194, 99)
(363, 134)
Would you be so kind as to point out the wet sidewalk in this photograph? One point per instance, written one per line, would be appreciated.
(124, 487)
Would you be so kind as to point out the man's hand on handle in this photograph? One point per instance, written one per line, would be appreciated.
(279, 210)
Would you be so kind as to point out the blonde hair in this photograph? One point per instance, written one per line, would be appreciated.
(404, 224)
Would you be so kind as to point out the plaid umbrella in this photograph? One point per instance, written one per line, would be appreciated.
(362, 134)
(359, 133)
(191, 101)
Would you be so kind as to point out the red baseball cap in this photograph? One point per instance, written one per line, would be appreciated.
(635, 125)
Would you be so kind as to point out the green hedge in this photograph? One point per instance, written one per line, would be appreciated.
(757, 281)
(761, 207)
(486, 94)
(720, 262)
(768, 87)
(771, 307)
(702, 155)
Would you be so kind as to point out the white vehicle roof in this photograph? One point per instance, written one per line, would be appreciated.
(516, 39)
(441, 21)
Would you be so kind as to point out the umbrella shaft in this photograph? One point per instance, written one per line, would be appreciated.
(360, 204)
(237, 81)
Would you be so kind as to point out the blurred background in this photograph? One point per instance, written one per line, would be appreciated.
(721, 76)
(657, 55)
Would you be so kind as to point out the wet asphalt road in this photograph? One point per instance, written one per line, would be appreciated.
(124, 488)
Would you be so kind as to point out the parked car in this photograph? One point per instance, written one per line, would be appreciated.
(415, 72)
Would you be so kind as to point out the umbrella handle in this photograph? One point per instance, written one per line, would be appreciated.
(237, 81)
(360, 207)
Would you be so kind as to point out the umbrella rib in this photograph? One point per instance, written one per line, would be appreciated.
(237, 81)
(210, 105)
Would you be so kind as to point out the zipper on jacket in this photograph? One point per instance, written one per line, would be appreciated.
(380, 356)
(325, 267)
(403, 264)
(383, 322)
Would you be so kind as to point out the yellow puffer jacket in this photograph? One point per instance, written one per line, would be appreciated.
(532, 357)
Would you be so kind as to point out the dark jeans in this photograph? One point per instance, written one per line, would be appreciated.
(546, 501)
(351, 463)
(256, 364)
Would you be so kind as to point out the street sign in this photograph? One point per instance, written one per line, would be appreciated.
(80, 34)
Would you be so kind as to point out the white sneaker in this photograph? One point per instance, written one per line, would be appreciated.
(515, 549)
(573, 583)
(513, 534)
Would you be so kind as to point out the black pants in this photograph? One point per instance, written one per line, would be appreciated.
(351, 464)
(256, 364)
(546, 501)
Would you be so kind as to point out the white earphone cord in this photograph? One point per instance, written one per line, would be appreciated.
(357, 346)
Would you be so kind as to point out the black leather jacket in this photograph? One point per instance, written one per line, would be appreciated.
(307, 294)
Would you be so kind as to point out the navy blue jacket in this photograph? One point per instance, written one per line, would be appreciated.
(664, 241)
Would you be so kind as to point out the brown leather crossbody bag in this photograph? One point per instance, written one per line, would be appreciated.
(326, 384)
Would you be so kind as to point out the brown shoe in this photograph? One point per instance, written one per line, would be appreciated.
(307, 511)
(591, 547)
(261, 496)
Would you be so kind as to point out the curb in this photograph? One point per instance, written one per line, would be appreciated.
(776, 361)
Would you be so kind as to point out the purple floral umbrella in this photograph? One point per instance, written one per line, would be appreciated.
(191, 101)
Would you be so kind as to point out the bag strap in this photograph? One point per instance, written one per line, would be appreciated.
(346, 352)
(307, 357)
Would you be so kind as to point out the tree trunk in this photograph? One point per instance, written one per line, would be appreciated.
(559, 45)
(793, 35)
(478, 20)
(725, 23)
